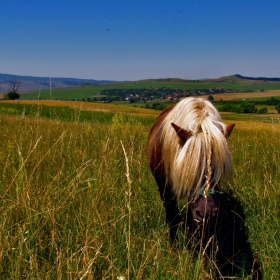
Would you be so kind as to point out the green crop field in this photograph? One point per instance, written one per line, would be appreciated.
(78, 200)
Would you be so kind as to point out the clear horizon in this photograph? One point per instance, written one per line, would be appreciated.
(132, 40)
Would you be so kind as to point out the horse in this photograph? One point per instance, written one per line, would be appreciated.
(189, 155)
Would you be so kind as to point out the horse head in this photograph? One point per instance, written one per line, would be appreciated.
(204, 209)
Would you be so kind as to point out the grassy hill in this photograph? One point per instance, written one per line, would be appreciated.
(234, 83)
(30, 83)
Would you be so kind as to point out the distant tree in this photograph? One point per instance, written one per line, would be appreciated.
(277, 107)
(14, 85)
(263, 111)
(272, 101)
(248, 107)
(231, 108)
(210, 98)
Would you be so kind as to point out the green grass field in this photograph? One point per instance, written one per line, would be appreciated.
(78, 200)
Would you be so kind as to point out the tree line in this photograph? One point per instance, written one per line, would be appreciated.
(249, 107)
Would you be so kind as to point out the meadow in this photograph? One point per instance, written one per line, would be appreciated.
(78, 200)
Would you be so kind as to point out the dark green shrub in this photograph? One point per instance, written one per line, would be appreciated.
(231, 108)
(12, 95)
(248, 107)
(263, 111)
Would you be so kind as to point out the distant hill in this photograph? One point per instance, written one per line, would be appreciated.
(30, 83)
(72, 88)
(258, 78)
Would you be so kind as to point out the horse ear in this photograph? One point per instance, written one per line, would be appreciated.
(181, 132)
(229, 129)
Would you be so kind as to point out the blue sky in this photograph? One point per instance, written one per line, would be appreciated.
(133, 40)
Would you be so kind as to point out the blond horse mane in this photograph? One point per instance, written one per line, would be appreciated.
(204, 159)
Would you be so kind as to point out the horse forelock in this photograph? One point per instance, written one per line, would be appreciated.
(187, 165)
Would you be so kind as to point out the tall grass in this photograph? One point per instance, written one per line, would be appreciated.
(78, 201)
(256, 151)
